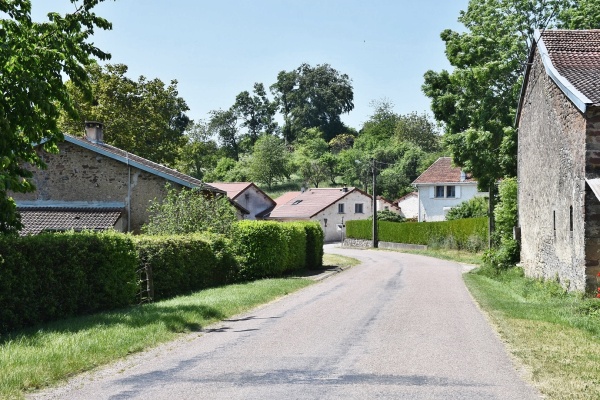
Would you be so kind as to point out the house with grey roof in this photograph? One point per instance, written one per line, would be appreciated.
(331, 207)
(558, 122)
(441, 187)
(89, 184)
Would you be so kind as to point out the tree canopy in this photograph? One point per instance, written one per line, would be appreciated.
(33, 58)
(477, 101)
(145, 117)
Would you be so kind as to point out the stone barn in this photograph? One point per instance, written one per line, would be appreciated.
(558, 123)
(92, 185)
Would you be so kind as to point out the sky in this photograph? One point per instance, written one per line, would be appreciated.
(217, 49)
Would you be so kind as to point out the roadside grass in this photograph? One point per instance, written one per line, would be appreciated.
(460, 256)
(335, 260)
(555, 334)
(36, 358)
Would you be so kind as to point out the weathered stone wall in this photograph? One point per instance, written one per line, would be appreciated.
(551, 175)
(592, 205)
(78, 174)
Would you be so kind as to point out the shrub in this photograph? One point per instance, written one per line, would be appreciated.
(505, 253)
(314, 244)
(475, 207)
(295, 236)
(462, 234)
(185, 263)
(52, 276)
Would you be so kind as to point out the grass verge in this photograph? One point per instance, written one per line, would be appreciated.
(34, 359)
(335, 260)
(447, 254)
(555, 334)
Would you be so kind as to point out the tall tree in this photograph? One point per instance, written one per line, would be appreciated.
(313, 97)
(256, 111)
(33, 58)
(144, 117)
(200, 154)
(478, 99)
(224, 125)
(419, 130)
(269, 161)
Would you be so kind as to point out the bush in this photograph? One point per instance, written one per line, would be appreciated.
(185, 263)
(314, 244)
(52, 276)
(295, 236)
(475, 207)
(468, 234)
(505, 253)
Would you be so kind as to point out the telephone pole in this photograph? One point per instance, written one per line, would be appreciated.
(375, 239)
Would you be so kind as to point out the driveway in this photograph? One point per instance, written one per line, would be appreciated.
(398, 326)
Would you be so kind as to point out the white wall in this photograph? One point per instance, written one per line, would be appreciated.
(255, 203)
(409, 207)
(435, 209)
(334, 218)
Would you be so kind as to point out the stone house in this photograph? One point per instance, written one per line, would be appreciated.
(558, 123)
(248, 197)
(332, 207)
(91, 185)
(441, 187)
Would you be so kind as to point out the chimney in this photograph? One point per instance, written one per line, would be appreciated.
(345, 189)
(93, 131)
(463, 176)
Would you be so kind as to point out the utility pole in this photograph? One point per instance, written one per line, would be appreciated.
(375, 239)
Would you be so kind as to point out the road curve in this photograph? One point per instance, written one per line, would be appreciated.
(398, 326)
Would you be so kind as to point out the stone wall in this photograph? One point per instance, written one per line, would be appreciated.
(551, 175)
(592, 204)
(78, 174)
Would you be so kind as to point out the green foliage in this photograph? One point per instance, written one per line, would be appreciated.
(313, 97)
(257, 112)
(270, 161)
(475, 207)
(144, 117)
(200, 154)
(188, 211)
(463, 234)
(295, 236)
(182, 264)
(419, 130)
(387, 215)
(52, 276)
(505, 253)
(33, 59)
(224, 125)
(477, 101)
(314, 243)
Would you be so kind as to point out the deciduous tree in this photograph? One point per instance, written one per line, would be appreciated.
(33, 59)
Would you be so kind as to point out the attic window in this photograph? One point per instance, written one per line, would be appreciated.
(296, 202)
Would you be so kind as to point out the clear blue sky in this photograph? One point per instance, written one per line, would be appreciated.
(216, 49)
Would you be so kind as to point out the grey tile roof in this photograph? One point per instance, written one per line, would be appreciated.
(40, 219)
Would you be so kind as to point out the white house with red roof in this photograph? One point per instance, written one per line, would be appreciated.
(409, 205)
(332, 207)
(441, 187)
(558, 170)
(248, 197)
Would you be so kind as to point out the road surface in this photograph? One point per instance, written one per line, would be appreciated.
(398, 326)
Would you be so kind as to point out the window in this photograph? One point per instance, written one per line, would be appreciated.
(341, 208)
(358, 208)
(295, 203)
(439, 191)
(450, 192)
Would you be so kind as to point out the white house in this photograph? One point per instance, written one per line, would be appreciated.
(441, 187)
(332, 207)
(409, 205)
(247, 197)
(384, 204)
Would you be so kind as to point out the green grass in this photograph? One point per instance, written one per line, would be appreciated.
(41, 357)
(334, 260)
(460, 256)
(556, 335)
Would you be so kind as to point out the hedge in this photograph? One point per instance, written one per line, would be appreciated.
(314, 244)
(58, 275)
(469, 234)
(182, 264)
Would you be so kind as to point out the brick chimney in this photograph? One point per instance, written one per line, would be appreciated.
(93, 131)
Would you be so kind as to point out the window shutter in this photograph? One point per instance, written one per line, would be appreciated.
(431, 192)
(457, 192)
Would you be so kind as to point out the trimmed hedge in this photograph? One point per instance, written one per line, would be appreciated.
(314, 244)
(470, 234)
(182, 264)
(52, 276)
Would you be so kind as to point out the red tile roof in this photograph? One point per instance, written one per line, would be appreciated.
(576, 56)
(39, 219)
(233, 189)
(406, 196)
(284, 198)
(310, 203)
(442, 171)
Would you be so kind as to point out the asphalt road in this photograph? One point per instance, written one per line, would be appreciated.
(398, 326)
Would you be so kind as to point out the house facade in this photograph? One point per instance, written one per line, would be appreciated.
(442, 187)
(331, 207)
(559, 159)
(409, 205)
(247, 196)
(384, 204)
(91, 185)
